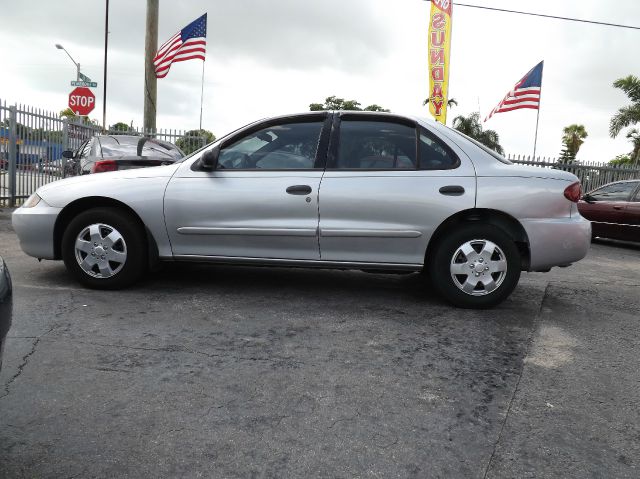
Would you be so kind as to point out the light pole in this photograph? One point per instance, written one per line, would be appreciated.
(60, 47)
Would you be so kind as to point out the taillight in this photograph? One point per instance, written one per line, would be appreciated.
(573, 192)
(104, 165)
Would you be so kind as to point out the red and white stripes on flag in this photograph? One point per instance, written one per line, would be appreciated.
(188, 44)
(526, 93)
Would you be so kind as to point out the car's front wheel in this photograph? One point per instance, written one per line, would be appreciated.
(104, 248)
(475, 266)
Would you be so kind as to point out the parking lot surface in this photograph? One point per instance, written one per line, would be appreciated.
(210, 371)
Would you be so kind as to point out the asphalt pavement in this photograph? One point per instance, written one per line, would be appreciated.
(211, 371)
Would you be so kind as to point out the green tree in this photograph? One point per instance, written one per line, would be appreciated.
(572, 139)
(194, 140)
(471, 126)
(621, 160)
(375, 107)
(71, 116)
(566, 157)
(335, 103)
(120, 127)
(627, 115)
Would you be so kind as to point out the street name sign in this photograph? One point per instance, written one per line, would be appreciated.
(90, 84)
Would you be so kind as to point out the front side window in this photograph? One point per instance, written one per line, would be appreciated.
(83, 151)
(376, 145)
(279, 147)
(615, 192)
(636, 198)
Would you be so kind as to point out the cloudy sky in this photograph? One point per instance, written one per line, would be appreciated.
(277, 56)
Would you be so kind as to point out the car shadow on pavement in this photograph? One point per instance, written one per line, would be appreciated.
(617, 243)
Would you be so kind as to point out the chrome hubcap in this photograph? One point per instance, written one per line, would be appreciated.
(101, 250)
(478, 267)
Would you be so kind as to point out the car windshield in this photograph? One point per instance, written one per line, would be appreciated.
(128, 146)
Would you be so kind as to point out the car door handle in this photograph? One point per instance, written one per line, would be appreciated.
(617, 207)
(299, 190)
(452, 190)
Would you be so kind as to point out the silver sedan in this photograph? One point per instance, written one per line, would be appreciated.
(344, 190)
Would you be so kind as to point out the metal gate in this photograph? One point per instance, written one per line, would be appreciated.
(32, 141)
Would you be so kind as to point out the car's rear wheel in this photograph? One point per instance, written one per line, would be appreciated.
(475, 266)
(104, 248)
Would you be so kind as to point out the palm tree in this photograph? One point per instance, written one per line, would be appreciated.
(573, 137)
(471, 126)
(450, 103)
(634, 136)
(628, 115)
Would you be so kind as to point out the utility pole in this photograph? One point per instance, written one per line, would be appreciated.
(104, 86)
(150, 48)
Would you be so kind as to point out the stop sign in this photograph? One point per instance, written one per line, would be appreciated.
(82, 101)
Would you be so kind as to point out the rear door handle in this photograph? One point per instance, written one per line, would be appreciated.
(299, 190)
(452, 190)
(617, 207)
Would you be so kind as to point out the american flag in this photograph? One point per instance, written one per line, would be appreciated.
(526, 93)
(188, 44)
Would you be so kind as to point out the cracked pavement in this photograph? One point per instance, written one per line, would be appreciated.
(210, 371)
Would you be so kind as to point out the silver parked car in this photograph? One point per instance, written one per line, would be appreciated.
(104, 153)
(345, 190)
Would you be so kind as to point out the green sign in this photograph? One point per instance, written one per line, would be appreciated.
(90, 84)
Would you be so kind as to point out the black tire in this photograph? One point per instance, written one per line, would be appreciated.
(129, 252)
(448, 258)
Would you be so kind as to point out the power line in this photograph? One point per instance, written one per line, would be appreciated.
(570, 19)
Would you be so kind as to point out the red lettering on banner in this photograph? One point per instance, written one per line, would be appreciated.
(439, 21)
(437, 104)
(437, 38)
(437, 57)
(444, 5)
(437, 91)
(437, 74)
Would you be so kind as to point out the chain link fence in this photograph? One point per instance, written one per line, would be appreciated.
(32, 141)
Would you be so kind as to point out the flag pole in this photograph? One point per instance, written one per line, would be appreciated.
(535, 141)
(201, 95)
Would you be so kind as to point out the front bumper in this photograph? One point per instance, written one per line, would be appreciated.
(557, 242)
(34, 227)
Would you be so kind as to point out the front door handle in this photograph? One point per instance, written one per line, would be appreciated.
(452, 190)
(299, 190)
(617, 207)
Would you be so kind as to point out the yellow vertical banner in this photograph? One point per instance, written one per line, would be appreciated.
(439, 49)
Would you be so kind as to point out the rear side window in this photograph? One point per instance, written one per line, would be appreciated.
(614, 192)
(435, 155)
(376, 145)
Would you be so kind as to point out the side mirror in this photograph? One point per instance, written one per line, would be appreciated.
(209, 159)
(588, 198)
(67, 154)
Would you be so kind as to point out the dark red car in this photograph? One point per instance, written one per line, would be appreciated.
(614, 210)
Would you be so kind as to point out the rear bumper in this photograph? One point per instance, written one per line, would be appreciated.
(34, 227)
(557, 242)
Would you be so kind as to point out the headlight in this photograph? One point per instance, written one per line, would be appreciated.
(32, 201)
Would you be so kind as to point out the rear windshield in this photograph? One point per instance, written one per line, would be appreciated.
(121, 146)
(495, 154)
